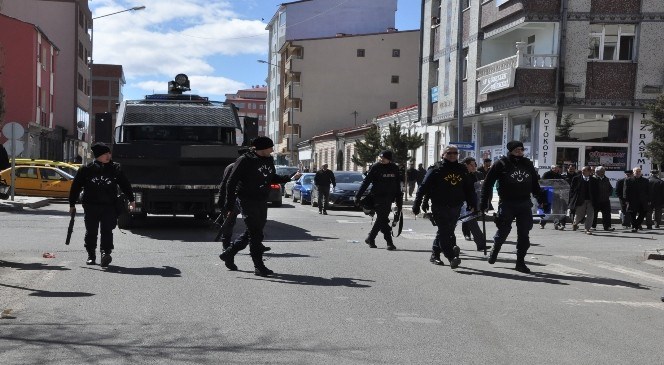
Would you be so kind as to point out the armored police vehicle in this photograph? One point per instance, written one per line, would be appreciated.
(174, 148)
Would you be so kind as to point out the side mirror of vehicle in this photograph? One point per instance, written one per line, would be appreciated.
(298, 183)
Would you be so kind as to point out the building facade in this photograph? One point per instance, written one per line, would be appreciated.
(27, 77)
(68, 24)
(333, 82)
(334, 148)
(107, 84)
(569, 78)
(251, 103)
(306, 19)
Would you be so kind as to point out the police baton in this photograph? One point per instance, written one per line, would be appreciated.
(70, 230)
(484, 230)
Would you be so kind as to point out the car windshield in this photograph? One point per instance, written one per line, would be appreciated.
(353, 178)
(307, 180)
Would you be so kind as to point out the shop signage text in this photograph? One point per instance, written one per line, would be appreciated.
(500, 80)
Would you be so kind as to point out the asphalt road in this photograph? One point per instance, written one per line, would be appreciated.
(167, 298)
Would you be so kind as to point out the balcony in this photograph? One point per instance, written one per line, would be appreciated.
(293, 90)
(513, 11)
(293, 64)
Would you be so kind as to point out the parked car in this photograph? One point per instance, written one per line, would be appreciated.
(302, 188)
(289, 171)
(71, 169)
(43, 181)
(288, 187)
(343, 195)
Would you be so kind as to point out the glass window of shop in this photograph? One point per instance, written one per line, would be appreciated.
(598, 128)
(522, 130)
(612, 158)
(466, 136)
(491, 139)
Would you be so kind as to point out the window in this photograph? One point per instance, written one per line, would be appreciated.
(530, 45)
(521, 130)
(395, 79)
(464, 71)
(465, 4)
(48, 174)
(491, 134)
(605, 128)
(612, 42)
(80, 50)
(396, 53)
(360, 52)
(80, 82)
(393, 104)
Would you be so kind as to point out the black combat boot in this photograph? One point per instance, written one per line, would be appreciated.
(228, 257)
(390, 243)
(92, 258)
(493, 256)
(259, 267)
(371, 242)
(521, 263)
(435, 259)
(455, 260)
(106, 258)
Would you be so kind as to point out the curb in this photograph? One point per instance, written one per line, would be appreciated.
(20, 204)
(653, 255)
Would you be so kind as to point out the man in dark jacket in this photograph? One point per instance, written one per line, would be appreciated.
(517, 181)
(420, 174)
(448, 185)
(250, 181)
(625, 216)
(411, 177)
(486, 165)
(656, 191)
(99, 181)
(637, 196)
(386, 189)
(602, 202)
(4, 158)
(583, 192)
(323, 179)
(471, 229)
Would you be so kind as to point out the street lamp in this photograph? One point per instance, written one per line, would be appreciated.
(90, 116)
(292, 116)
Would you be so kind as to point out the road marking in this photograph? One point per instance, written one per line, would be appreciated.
(564, 270)
(659, 306)
(419, 320)
(346, 221)
(615, 268)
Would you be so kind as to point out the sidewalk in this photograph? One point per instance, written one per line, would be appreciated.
(21, 202)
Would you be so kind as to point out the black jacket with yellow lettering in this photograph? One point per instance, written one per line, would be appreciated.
(447, 184)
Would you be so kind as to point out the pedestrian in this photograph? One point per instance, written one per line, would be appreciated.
(656, 193)
(250, 181)
(486, 165)
(99, 181)
(625, 216)
(517, 181)
(448, 185)
(637, 196)
(421, 171)
(583, 192)
(4, 158)
(386, 189)
(602, 201)
(553, 174)
(323, 179)
(411, 177)
(471, 229)
(571, 173)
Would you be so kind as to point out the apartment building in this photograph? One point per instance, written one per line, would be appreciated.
(107, 84)
(251, 103)
(27, 77)
(569, 78)
(68, 24)
(308, 19)
(333, 82)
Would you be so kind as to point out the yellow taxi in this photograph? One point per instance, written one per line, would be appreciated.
(71, 169)
(43, 181)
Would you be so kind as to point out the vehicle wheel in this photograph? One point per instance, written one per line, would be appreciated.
(286, 194)
(125, 221)
(314, 203)
(302, 202)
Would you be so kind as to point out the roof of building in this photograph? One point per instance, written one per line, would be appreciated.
(397, 111)
(346, 35)
(343, 131)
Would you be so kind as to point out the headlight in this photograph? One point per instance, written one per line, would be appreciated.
(138, 197)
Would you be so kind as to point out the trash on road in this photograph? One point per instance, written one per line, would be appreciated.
(7, 314)
(48, 255)
(352, 241)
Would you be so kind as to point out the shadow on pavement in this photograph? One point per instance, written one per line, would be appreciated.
(50, 294)
(166, 271)
(31, 266)
(551, 278)
(314, 280)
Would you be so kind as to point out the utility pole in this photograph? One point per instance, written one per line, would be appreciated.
(460, 64)
(355, 113)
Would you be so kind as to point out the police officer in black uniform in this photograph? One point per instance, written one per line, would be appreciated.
(250, 181)
(517, 180)
(448, 185)
(386, 189)
(99, 181)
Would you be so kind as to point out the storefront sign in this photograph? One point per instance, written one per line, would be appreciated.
(611, 158)
(547, 132)
(434, 94)
(641, 136)
(500, 80)
(466, 146)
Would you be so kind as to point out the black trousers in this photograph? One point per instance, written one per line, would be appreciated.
(323, 197)
(446, 218)
(102, 219)
(507, 212)
(228, 225)
(626, 218)
(657, 209)
(605, 208)
(255, 217)
(638, 215)
(473, 227)
(382, 207)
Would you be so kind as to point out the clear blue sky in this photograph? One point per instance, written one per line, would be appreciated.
(216, 42)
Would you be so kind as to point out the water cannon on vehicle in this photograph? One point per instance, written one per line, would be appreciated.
(179, 85)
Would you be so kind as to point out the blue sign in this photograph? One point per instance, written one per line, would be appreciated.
(466, 146)
(434, 94)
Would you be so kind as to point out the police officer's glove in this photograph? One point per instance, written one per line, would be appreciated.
(425, 206)
(416, 209)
